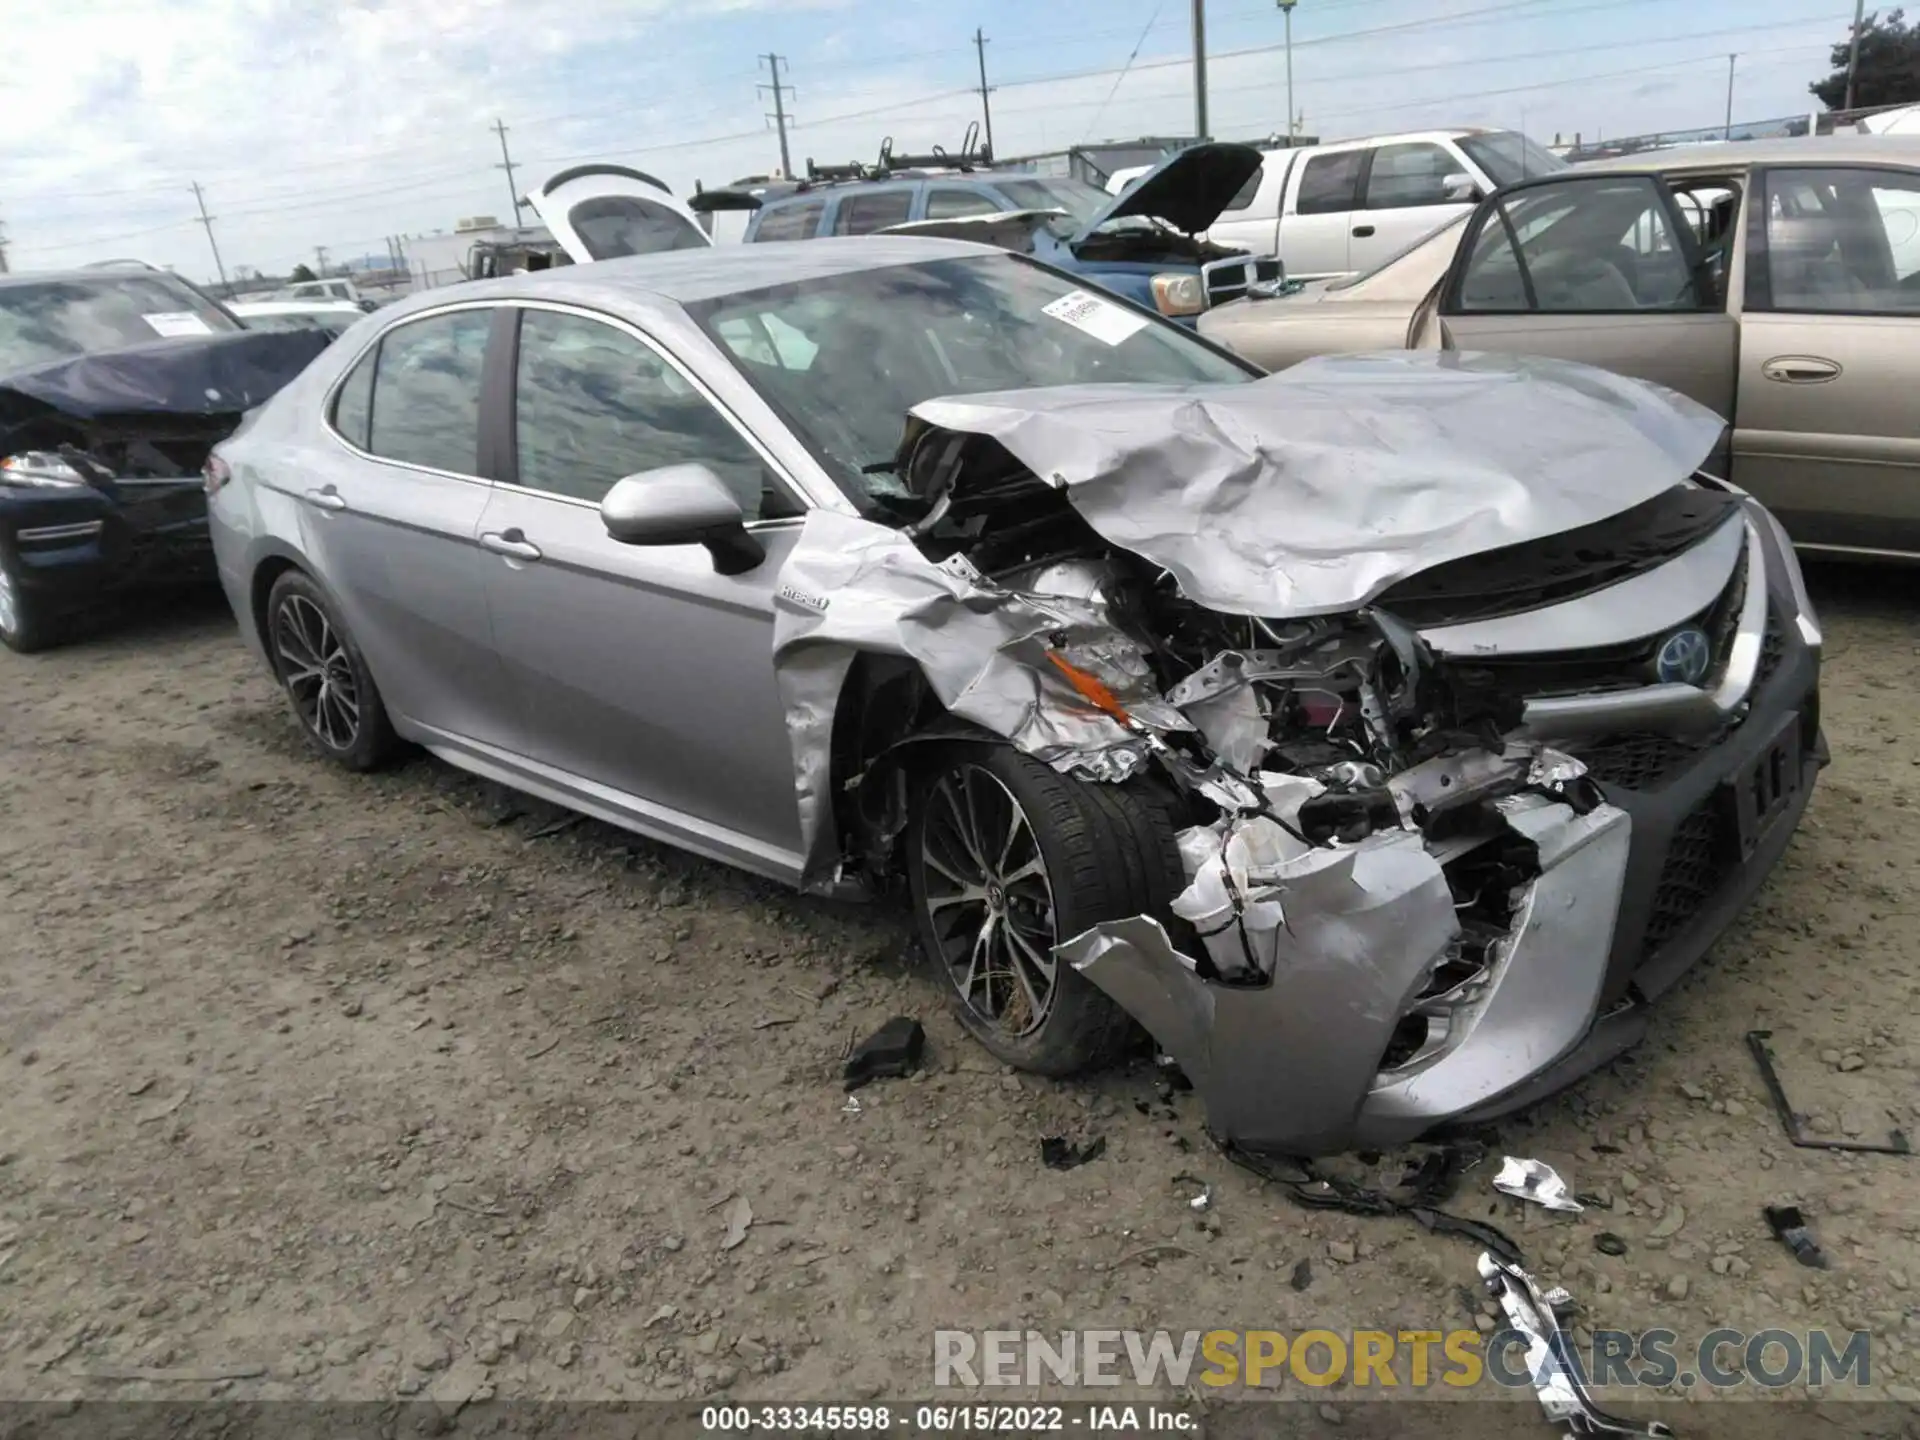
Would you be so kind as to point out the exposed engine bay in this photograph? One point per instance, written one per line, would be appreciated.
(1383, 856)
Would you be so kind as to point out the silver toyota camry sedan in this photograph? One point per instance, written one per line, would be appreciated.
(1382, 736)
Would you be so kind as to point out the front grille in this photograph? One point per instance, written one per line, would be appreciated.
(1773, 648)
(1638, 760)
(1699, 861)
(1230, 279)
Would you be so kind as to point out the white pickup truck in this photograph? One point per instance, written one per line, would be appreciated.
(1341, 208)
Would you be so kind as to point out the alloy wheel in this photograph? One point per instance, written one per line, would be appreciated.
(317, 672)
(989, 901)
(9, 604)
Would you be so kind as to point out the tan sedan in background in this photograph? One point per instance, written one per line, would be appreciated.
(1777, 282)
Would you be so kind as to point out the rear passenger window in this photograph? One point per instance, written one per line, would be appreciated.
(862, 214)
(945, 202)
(426, 392)
(353, 404)
(1331, 183)
(790, 222)
(1243, 197)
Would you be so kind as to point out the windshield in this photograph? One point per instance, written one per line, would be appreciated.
(1508, 157)
(47, 320)
(610, 226)
(843, 358)
(1079, 199)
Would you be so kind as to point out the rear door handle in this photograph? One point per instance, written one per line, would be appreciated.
(1800, 370)
(327, 499)
(1361, 232)
(511, 543)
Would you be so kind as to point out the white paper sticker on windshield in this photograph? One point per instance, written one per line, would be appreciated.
(1105, 321)
(177, 322)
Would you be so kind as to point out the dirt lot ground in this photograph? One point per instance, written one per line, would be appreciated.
(384, 1086)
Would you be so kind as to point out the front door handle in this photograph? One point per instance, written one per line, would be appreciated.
(1800, 370)
(511, 543)
(327, 499)
(1362, 232)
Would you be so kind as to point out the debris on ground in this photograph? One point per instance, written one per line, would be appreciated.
(1608, 1243)
(739, 1218)
(1058, 1153)
(1302, 1275)
(1795, 1123)
(891, 1053)
(1537, 1181)
(1563, 1397)
(1789, 1227)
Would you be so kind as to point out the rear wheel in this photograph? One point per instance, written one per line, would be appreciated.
(325, 677)
(26, 625)
(1005, 858)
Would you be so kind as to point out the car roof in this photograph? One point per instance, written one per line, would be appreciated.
(682, 277)
(806, 189)
(1787, 150)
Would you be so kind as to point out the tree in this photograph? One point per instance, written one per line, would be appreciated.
(300, 275)
(1889, 68)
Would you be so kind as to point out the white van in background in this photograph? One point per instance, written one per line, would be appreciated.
(1336, 209)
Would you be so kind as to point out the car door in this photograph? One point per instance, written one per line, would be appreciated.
(390, 523)
(645, 677)
(1599, 268)
(1317, 222)
(1827, 431)
(605, 212)
(1407, 194)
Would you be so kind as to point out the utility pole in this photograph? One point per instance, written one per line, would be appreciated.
(1727, 134)
(506, 164)
(779, 116)
(1853, 50)
(212, 244)
(320, 261)
(986, 110)
(3, 249)
(1286, 10)
(1199, 69)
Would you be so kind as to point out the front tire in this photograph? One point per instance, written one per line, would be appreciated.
(326, 677)
(26, 623)
(1005, 858)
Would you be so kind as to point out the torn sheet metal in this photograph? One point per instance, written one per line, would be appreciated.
(1552, 1362)
(852, 586)
(1284, 1065)
(1311, 491)
(1537, 1181)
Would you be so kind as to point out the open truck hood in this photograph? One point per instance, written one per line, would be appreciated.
(1311, 491)
(1188, 190)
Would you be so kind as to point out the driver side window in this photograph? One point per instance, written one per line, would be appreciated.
(593, 404)
(1580, 247)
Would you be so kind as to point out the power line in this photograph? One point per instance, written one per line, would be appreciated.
(212, 244)
(986, 110)
(779, 116)
(1125, 70)
(506, 164)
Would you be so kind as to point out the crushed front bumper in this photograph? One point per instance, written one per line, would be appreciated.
(1628, 895)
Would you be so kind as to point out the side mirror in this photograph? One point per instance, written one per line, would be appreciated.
(1460, 187)
(682, 505)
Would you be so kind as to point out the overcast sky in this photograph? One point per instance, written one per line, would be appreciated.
(338, 124)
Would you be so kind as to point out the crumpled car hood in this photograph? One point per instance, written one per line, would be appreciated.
(197, 375)
(1311, 491)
